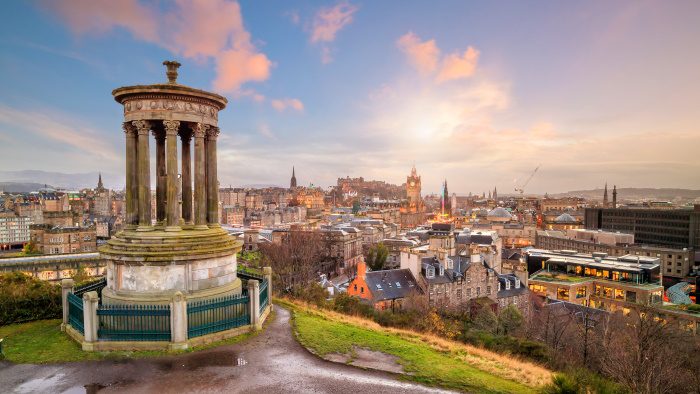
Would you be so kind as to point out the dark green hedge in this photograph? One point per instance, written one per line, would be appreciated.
(24, 298)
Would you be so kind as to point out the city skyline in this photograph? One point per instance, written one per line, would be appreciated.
(363, 89)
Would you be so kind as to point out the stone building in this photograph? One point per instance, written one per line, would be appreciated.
(14, 230)
(59, 240)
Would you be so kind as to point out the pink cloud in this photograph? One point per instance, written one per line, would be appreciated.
(199, 30)
(283, 104)
(426, 57)
(456, 66)
(423, 55)
(327, 23)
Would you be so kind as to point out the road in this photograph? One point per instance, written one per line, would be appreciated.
(272, 362)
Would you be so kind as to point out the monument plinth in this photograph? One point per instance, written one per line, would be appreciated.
(183, 248)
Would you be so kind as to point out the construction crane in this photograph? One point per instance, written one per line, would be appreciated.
(521, 189)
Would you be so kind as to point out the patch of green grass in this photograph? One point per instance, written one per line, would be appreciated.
(422, 363)
(42, 342)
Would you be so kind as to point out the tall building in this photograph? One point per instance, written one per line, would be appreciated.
(413, 190)
(668, 227)
(495, 193)
(293, 181)
(614, 202)
(446, 203)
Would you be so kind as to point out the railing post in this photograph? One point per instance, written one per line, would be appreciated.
(178, 322)
(267, 271)
(90, 321)
(254, 298)
(66, 287)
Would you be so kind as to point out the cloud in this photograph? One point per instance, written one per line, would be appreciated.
(291, 103)
(326, 24)
(426, 57)
(265, 131)
(199, 30)
(456, 66)
(60, 128)
(423, 55)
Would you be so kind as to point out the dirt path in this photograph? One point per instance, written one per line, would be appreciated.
(272, 362)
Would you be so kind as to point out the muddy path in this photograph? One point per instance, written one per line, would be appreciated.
(272, 362)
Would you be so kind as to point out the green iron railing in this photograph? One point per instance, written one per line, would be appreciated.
(264, 295)
(92, 286)
(218, 314)
(247, 274)
(75, 312)
(133, 323)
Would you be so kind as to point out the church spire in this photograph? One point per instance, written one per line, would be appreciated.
(293, 181)
(100, 186)
(605, 196)
(614, 200)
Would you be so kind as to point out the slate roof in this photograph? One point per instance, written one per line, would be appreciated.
(513, 291)
(391, 284)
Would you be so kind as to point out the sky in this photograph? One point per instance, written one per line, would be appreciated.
(477, 93)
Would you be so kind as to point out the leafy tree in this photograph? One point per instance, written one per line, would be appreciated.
(485, 319)
(355, 207)
(509, 320)
(30, 248)
(376, 256)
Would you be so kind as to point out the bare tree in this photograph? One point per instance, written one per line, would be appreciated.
(297, 260)
(645, 353)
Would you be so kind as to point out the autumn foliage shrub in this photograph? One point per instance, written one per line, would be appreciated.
(24, 298)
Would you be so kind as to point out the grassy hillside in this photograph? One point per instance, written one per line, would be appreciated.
(425, 358)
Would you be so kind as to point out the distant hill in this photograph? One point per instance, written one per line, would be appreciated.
(61, 180)
(21, 187)
(635, 193)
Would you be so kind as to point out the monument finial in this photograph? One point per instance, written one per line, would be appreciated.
(171, 72)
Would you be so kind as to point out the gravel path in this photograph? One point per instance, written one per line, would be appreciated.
(272, 362)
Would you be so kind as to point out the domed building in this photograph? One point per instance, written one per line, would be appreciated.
(565, 221)
(499, 215)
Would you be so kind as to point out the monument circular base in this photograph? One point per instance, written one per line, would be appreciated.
(111, 297)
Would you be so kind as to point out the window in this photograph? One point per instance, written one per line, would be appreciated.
(488, 290)
(459, 294)
(562, 293)
(362, 289)
(469, 293)
(580, 292)
(478, 291)
(607, 292)
(619, 294)
(631, 296)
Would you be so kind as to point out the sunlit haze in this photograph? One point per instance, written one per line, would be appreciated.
(478, 93)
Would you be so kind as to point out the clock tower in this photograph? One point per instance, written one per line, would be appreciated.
(413, 191)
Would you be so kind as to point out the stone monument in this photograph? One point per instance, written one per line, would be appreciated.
(181, 248)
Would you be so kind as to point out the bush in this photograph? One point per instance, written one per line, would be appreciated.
(349, 305)
(24, 298)
(581, 381)
(535, 351)
(312, 293)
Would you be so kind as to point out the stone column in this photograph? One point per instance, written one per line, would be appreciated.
(144, 175)
(200, 194)
(161, 180)
(90, 322)
(131, 189)
(173, 207)
(66, 287)
(185, 138)
(254, 303)
(267, 272)
(178, 322)
(212, 179)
